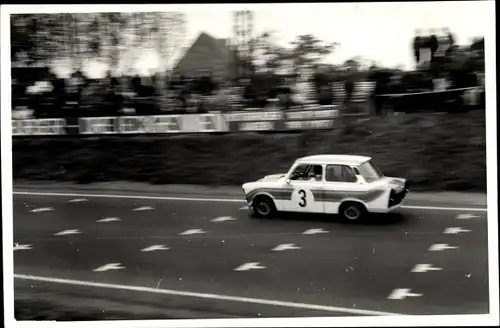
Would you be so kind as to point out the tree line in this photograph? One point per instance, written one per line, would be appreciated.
(117, 39)
(108, 37)
(114, 39)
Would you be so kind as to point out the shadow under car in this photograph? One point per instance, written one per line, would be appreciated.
(377, 219)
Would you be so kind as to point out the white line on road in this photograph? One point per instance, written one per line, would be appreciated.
(223, 200)
(217, 200)
(325, 308)
(441, 208)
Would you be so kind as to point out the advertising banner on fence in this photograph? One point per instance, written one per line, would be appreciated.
(322, 117)
(188, 123)
(40, 127)
(311, 119)
(254, 120)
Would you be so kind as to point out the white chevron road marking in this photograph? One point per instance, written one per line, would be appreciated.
(250, 266)
(68, 232)
(109, 266)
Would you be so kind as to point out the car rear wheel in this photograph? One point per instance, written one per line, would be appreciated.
(352, 211)
(263, 207)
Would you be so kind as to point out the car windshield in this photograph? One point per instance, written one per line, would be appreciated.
(370, 172)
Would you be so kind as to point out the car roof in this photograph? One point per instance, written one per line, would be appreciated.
(333, 159)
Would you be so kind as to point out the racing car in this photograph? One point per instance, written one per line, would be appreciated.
(347, 185)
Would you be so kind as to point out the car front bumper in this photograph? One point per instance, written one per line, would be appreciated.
(248, 200)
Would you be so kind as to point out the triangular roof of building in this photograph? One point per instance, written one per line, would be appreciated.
(218, 45)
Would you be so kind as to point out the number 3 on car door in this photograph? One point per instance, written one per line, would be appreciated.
(306, 199)
(303, 198)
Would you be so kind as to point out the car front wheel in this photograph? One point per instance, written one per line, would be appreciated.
(263, 207)
(352, 211)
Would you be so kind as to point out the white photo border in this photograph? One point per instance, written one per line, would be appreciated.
(446, 320)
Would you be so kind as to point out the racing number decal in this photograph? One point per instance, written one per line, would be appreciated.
(303, 200)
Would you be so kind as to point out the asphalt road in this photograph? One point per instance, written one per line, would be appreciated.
(347, 269)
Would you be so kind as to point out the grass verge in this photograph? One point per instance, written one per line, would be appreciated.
(435, 151)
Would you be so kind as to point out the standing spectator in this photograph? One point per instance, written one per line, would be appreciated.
(417, 43)
(57, 94)
(18, 94)
(450, 41)
(482, 91)
(137, 85)
(249, 92)
(114, 100)
(349, 85)
(381, 79)
(185, 92)
(440, 83)
(439, 99)
(93, 99)
(326, 94)
(220, 101)
(443, 43)
(73, 92)
(396, 87)
(433, 44)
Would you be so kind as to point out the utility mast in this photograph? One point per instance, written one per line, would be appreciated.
(241, 44)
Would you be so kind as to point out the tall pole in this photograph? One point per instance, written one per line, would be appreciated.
(242, 41)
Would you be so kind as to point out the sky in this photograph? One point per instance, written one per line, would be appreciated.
(381, 32)
(375, 31)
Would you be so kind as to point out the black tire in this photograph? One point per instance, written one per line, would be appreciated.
(263, 207)
(352, 211)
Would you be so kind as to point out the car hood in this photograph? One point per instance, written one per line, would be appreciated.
(273, 177)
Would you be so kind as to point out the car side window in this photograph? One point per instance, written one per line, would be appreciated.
(348, 174)
(300, 172)
(340, 173)
(315, 173)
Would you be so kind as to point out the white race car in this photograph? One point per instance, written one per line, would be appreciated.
(350, 186)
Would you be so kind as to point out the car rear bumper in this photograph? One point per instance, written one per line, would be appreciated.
(396, 197)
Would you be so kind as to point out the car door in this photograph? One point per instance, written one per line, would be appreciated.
(340, 183)
(307, 194)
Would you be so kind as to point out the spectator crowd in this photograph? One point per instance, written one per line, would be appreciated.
(445, 67)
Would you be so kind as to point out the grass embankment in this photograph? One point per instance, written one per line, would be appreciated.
(435, 151)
